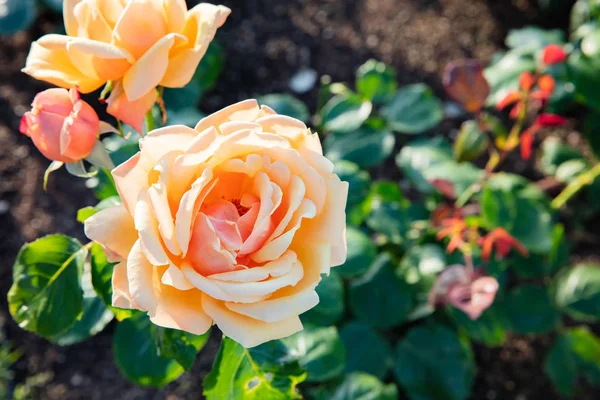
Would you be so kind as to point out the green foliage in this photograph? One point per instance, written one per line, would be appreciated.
(578, 292)
(331, 302)
(531, 310)
(136, 354)
(319, 350)
(356, 386)
(179, 345)
(345, 113)
(286, 104)
(432, 362)
(413, 110)
(46, 297)
(376, 81)
(381, 297)
(94, 319)
(263, 372)
(366, 350)
(470, 142)
(361, 253)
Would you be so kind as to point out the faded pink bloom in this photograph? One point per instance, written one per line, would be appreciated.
(62, 126)
(470, 292)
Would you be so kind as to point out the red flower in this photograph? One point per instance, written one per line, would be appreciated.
(454, 228)
(526, 81)
(527, 142)
(511, 97)
(553, 54)
(550, 120)
(503, 242)
(545, 87)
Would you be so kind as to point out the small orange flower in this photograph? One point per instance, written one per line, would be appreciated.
(455, 229)
(503, 242)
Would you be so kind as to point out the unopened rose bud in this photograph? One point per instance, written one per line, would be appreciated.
(554, 54)
(62, 126)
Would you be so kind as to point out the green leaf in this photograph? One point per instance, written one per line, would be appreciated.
(86, 212)
(189, 117)
(561, 366)
(136, 354)
(46, 296)
(54, 5)
(578, 292)
(470, 143)
(17, 15)
(286, 104)
(527, 220)
(356, 386)
(413, 110)
(359, 181)
(591, 129)
(210, 68)
(433, 363)
(381, 298)
(376, 81)
(179, 345)
(94, 319)
(531, 310)
(575, 354)
(554, 153)
(331, 302)
(361, 253)
(532, 38)
(345, 113)
(269, 371)
(181, 98)
(489, 329)
(538, 265)
(583, 72)
(366, 147)
(366, 351)
(320, 351)
(418, 156)
(503, 75)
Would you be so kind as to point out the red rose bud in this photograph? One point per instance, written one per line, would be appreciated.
(62, 126)
(465, 83)
(550, 120)
(526, 144)
(553, 54)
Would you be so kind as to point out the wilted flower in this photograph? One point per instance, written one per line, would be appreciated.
(465, 83)
(469, 291)
(136, 44)
(503, 242)
(62, 126)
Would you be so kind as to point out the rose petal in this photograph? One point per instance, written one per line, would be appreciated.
(101, 228)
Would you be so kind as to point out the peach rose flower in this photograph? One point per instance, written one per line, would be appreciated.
(231, 223)
(137, 44)
(61, 125)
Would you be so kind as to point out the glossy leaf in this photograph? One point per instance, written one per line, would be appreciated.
(94, 319)
(367, 147)
(470, 143)
(531, 310)
(554, 153)
(286, 104)
(359, 181)
(268, 371)
(381, 298)
(46, 296)
(583, 71)
(543, 265)
(376, 81)
(137, 357)
(578, 292)
(366, 351)
(86, 212)
(356, 386)
(532, 38)
(320, 351)
(54, 5)
(345, 113)
(331, 301)
(489, 329)
(418, 156)
(432, 362)
(361, 253)
(179, 345)
(413, 110)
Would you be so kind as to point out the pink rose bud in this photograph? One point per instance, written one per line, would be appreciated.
(62, 126)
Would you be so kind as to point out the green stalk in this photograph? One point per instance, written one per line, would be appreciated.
(581, 181)
(150, 125)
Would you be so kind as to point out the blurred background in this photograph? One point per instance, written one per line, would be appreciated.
(266, 46)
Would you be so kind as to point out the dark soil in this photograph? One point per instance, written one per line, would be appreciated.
(266, 42)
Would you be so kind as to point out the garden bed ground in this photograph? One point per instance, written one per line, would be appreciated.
(266, 42)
